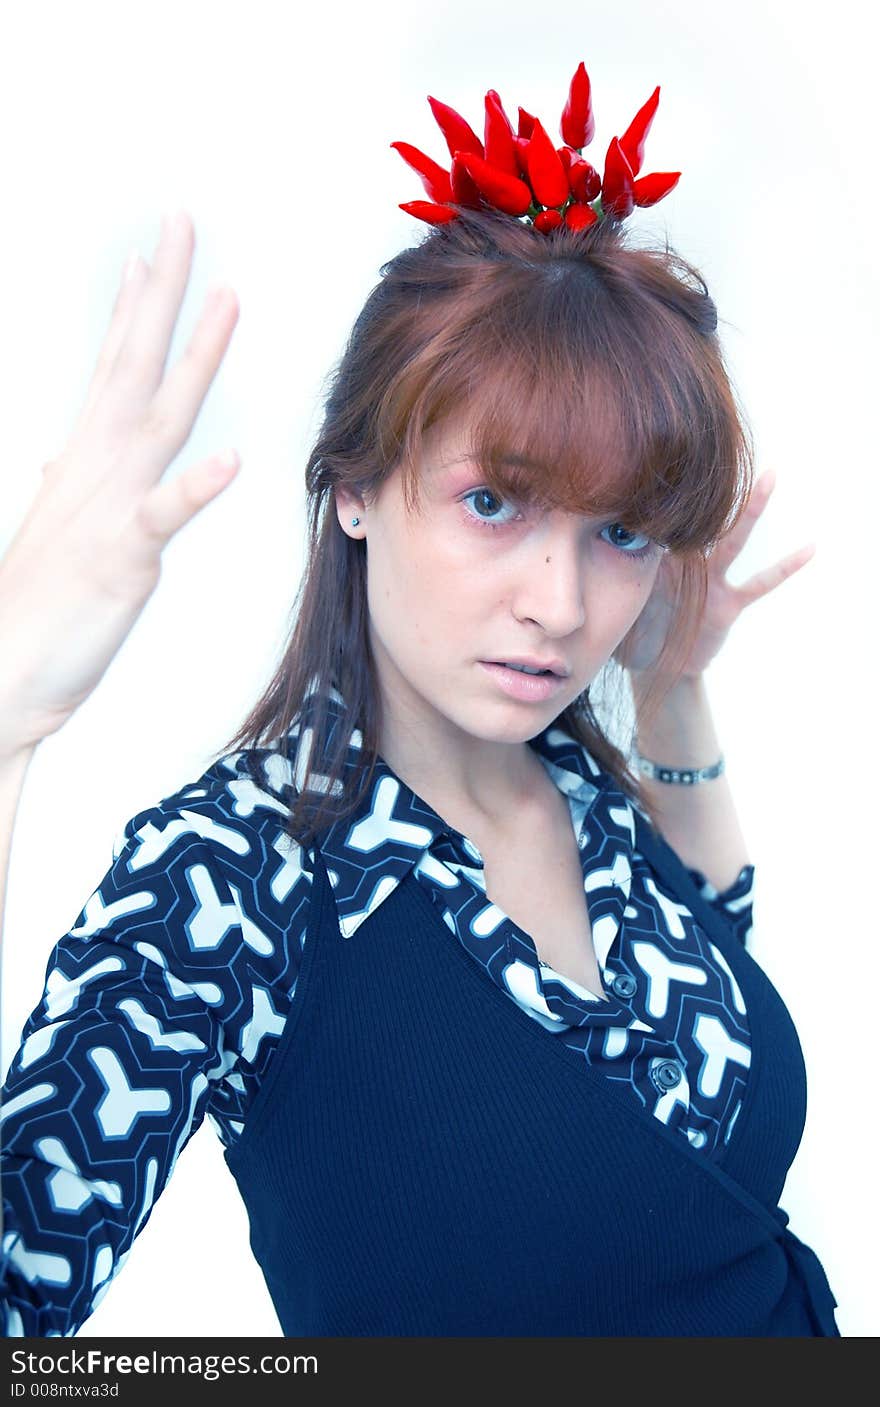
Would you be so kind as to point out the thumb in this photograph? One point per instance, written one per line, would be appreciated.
(173, 502)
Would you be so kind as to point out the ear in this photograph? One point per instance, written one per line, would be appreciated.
(349, 504)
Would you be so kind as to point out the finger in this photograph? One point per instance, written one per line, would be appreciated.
(129, 289)
(167, 423)
(732, 543)
(771, 577)
(140, 362)
(173, 502)
(173, 410)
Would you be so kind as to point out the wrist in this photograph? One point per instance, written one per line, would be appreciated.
(17, 743)
(679, 732)
(15, 757)
(20, 734)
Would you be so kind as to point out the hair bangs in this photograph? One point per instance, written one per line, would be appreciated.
(569, 422)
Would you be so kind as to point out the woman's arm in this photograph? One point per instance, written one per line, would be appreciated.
(73, 581)
(700, 821)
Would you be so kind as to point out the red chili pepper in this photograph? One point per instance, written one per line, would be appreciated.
(584, 180)
(500, 149)
(547, 220)
(617, 182)
(435, 180)
(577, 125)
(517, 171)
(647, 190)
(633, 140)
(521, 147)
(547, 175)
(578, 216)
(526, 123)
(465, 190)
(507, 193)
(460, 136)
(426, 210)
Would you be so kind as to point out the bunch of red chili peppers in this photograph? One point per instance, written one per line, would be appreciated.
(522, 173)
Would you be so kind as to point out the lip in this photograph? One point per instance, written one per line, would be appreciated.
(532, 662)
(531, 688)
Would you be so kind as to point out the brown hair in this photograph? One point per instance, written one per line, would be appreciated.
(593, 380)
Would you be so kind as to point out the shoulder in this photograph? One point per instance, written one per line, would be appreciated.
(230, 816)
(199, 921)
(206, 877)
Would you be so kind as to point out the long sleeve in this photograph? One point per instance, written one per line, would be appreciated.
(114, 1072)
(736, 902)
(165, 1001)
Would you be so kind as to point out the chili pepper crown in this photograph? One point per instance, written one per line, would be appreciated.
(523, 174)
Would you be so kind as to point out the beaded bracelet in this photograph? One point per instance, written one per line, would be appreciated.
(688, 776)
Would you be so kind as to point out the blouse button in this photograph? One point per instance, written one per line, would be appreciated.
(623, 985)
(582, 841)
(666, 1074)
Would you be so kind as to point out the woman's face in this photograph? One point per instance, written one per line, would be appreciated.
(472, 578)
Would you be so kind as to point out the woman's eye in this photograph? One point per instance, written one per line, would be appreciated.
(648, 549)
(485, 518)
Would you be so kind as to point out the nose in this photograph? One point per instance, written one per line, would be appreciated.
(551, 579)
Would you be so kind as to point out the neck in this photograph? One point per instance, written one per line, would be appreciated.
(473, 783)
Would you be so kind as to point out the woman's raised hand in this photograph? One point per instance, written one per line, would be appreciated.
(725, 602)
(87, 555)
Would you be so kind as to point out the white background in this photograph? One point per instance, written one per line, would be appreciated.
(273, 131)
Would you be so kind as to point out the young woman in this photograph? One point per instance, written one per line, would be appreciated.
(464, 991)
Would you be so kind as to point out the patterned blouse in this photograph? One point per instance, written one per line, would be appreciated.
(166, 999)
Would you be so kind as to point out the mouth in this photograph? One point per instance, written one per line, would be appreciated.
(536, 671)
(527, 683)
